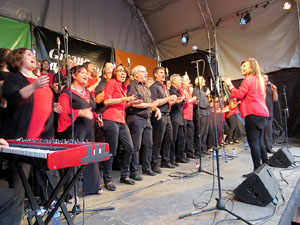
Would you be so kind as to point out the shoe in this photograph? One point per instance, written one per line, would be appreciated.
(175, 164)
(157, 170)
(191, 157)
(167, 165)
(237, 142)
(127, 181)
(136, 177)
(209, 150)
(183, 160)
(271, 151)
(100, 191)
(247, 175)
(231, 142)
(149, 173)
(110, 186)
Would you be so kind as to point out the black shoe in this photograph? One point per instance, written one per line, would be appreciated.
(175, 164)
(183, 160)
(110, 187)
(167, 165)
(127, 181)
(191, 157)
(149, 173)
(247, 175)
(136, 177)
(157, 170)
(271, 151)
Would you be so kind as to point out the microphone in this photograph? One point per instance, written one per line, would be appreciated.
(58, 43)
(195, 49)
(66, 30)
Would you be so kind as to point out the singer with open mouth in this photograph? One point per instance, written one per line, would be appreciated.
(253, 108)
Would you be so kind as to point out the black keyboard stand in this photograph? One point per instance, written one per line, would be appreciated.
(54, 196)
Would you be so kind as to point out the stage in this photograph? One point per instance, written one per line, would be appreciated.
(163, 198)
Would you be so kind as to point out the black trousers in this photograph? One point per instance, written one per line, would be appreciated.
(11, 206)
(189, 137)
(254, 126)
(233, 128)
(268, 138)
(202, 132)
(178, 145)
(141, 133)
(162, 140)
(115, 132)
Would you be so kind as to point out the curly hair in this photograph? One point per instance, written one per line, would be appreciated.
(15, 59)
(3, 57)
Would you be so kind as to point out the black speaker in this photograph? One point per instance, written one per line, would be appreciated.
(283, 158)
(260, 187)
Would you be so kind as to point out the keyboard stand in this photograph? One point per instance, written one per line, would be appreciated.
(54, 196)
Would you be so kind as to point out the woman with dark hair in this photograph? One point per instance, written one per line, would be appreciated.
(83, 107)
(45, 70)
(115, 127)
(93, 78)
(253, 107)
(29, 105)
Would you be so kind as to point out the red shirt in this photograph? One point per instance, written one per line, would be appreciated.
(116, 112)
(50, 75)
(187, 107)
(252, 99)
(64, 120)
(232, 110)
(42, 108)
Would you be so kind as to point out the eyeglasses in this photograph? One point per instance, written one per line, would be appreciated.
(143, 71)
(120, 71)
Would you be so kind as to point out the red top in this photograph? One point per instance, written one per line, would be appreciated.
(42, 108)
(92, 81)
(64, 120)
(116, 112)
(252, 99)
(187, 107)
(233, 107)
(50, 75)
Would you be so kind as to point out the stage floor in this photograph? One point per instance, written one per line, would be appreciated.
(163, 198)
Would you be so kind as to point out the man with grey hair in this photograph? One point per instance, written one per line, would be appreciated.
(138, 121)
(179, 141)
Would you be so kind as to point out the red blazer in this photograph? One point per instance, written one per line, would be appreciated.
(252, 99)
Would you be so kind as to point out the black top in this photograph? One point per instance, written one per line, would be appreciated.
(177, 108)
(83, 127)
(20, 110)
(202, 102)
(141, 92)
(158, 92)
(100, 108)
(269, 100)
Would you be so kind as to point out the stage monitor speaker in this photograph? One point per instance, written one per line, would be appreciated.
(260, 187)
(283, 158)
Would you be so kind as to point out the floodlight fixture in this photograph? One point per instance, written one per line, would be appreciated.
(287, 5)
(184, 37)
(245, 18)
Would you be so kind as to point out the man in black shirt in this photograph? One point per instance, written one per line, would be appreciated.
(138, 121)
(271, 97)
(179, 141)
(99, 92)
(162, 129)
(201, 131)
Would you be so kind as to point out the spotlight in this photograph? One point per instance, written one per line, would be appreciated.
(245, 19)
(287, 5)
(184, 38)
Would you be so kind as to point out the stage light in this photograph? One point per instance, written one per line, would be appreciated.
(184, 38)
(287, 5)
(245, 18)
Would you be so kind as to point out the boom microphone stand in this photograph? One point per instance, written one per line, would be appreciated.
(200, 170)
(220, 205)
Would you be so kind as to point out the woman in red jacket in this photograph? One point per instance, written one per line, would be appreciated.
(253, 107)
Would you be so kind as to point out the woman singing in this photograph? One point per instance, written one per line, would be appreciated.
(115, 127)
(83, 107)
(29, 104)
(253, 107)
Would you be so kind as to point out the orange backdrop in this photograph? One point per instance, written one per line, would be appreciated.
(122, 57)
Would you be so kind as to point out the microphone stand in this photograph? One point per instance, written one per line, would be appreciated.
(285, 116)
(220, 205)
(200, 170)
